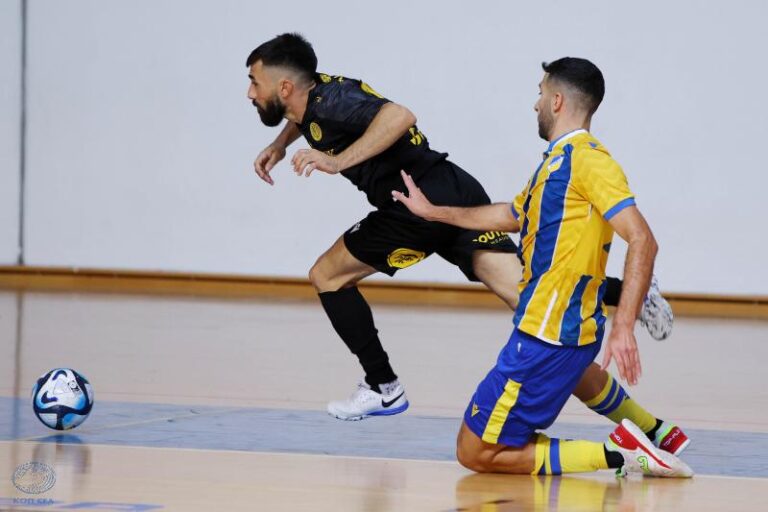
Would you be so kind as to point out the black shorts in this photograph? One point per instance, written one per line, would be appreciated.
(392, 238)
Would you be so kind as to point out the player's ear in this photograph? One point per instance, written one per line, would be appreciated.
(558, 100)
(285, 88)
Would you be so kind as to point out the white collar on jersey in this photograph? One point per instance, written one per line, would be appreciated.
(561, 139)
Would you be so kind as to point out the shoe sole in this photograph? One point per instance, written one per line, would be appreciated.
(390, 412)
(385, 412)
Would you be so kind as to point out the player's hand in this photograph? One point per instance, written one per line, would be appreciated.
(305, 161)
(622, 346)
(415, 201)
(267, 160)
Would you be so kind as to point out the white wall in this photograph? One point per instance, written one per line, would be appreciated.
(9, 337)
(10, 110)
(141, 137)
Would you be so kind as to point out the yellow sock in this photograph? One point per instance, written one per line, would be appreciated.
(556, 456)
(615, 404)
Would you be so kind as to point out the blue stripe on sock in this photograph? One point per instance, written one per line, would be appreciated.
(616, 403)
(554, 457)
(607, 400)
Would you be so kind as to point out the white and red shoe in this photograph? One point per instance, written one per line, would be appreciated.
(640, 456)
(671, 439)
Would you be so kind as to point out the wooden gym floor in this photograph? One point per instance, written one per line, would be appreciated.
(218, 405)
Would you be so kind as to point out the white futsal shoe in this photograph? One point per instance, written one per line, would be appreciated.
(366, 402)
(640, 456)
(656, 314)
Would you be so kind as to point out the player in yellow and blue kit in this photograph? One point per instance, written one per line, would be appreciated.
(566, 216)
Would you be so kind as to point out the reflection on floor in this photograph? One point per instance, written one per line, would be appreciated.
(218, 405)
(712, 452)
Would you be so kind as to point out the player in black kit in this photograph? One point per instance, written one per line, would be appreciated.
(355, 132)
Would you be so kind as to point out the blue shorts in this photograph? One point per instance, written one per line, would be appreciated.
(527, 388)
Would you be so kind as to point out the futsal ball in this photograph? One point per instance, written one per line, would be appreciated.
(62, 399)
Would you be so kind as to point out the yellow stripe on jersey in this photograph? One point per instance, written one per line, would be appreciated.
(565, 238)
(500, 412)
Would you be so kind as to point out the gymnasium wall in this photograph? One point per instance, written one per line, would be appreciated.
(141, 139)
(10, 111)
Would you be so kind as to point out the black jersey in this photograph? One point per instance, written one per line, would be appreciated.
(339, 110)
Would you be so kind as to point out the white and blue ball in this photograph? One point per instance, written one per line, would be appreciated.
(62, 399)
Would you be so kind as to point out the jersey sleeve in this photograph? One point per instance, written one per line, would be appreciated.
(354, 105)
(601, 180)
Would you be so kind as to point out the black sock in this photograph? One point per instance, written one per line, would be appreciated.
(612, 291)
(652, 433)
(614, 459)
(352, 319)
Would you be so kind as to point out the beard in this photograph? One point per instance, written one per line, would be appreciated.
(273, 113)
(545, 125)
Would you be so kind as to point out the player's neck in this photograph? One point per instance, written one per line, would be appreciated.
(564, 126)
(295, 109)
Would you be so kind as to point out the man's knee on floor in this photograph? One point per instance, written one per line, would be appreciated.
(481, 457)
(479, 461)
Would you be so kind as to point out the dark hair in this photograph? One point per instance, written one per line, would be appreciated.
(580, 74)
(288, 50)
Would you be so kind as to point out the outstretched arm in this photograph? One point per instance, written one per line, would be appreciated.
(638, 267)
(389, 124)
(491, 217)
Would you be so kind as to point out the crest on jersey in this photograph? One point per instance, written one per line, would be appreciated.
(315, 131)
(325, 78)
(555, 164)
(402, 258)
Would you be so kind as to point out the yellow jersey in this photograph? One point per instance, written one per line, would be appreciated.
(565, 238)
